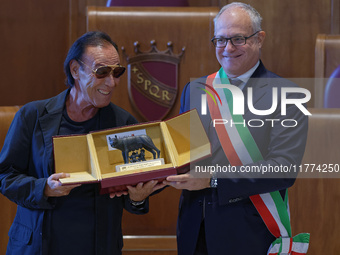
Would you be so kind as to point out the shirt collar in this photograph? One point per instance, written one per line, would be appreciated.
(246, 76)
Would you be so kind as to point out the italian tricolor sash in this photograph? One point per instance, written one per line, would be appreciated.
(240, 148)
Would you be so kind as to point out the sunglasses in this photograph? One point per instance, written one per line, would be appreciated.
(104, 71)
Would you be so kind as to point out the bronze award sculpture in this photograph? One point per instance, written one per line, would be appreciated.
(136, 145)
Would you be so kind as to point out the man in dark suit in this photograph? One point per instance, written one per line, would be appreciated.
(217, 212)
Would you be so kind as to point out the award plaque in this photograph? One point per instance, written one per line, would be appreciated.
(132, 154)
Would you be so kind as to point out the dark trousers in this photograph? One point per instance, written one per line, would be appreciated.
(201, 246)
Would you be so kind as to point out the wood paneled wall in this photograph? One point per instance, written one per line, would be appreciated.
(36, 36)
(184, 27)
(33, 47)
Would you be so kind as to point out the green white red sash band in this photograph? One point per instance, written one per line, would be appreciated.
(240, 148)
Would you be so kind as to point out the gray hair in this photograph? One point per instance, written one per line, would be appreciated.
(253, 14)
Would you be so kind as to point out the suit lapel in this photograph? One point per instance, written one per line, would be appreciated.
(259, 84)
(49, 124)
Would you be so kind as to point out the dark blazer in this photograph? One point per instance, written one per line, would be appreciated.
(26, 161)
(232, 224)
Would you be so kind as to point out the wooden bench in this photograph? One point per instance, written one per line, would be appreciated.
(313, 201)
(7, 208)
(327, 58)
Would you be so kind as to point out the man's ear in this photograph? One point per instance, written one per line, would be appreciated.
(74, 68)
(261, 35)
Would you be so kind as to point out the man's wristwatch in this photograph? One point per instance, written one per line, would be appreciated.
(137, 203)
(213, 181)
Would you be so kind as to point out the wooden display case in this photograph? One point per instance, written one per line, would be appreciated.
(88, 158)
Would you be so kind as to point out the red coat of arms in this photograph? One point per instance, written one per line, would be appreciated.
(153, 80)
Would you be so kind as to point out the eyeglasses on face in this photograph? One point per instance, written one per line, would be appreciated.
(221, 42)
(104, 71)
